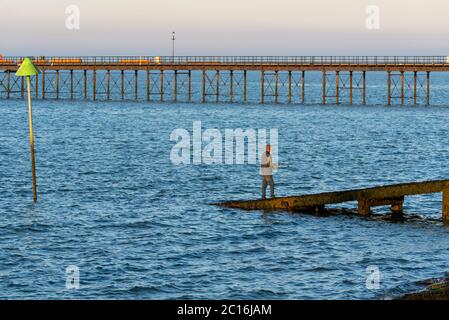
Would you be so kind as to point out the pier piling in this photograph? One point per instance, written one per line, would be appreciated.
(71, 84)
(324, 88)
(43, 84)
(280, 78)
(303, 87)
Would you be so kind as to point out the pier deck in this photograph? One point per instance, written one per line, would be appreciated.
(392, 195)
(223, 78)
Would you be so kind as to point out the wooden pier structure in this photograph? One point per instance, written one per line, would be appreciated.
(223, 78)
(392, 195)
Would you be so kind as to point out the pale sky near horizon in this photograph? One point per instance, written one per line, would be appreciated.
(224, 27)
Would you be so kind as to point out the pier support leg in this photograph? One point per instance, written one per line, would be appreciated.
(217, 85)
(57, 84)
(71, 84)
(363, 208)
(289, 87)
(324, 88)
(446, 206)
(397, 206)
(337, 87)
(231, 86)
(204, 87)
(364, 87)
(276, 86)
(428, 88)
(350, 87)
(37, 86)
(389, 88)
(8, 85)
(162, 85)
(136, 85)
(85, 84)
(22, 87)
(148, 84)
(303, 87)
(262, 80)
(190, 86)
(402, 88)
(365, 203)
(43, 84)
(122, 89)
(245, 99)
(175, 86)
(415, 88)
(94, 85)
(108, 84)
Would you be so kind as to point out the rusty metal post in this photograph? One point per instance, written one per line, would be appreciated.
(108, 84)
(351, 96)
(94, 85)
(324, 88)
(203, 98)
(337, 87)
(190, 86)
(303, 87)
(217, 84)
(389, 88)
(402, 88)
(415, 88)
(43, 84)
(245, 98)
(175, 85)
(162, 85)
(363, 207)
(289, 87)
(71, 84)
(364, 87)
(262, 98)
(136, 85)
(231, 85)
(397, 206)
(57, 84)
(428, 88)
(85, 84)
(122, 89)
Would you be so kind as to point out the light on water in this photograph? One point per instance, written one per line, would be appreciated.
(136, 226)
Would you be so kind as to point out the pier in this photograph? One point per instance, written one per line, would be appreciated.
(278, 79)
(391, 195)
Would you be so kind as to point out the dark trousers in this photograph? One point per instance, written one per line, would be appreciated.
(267, 180)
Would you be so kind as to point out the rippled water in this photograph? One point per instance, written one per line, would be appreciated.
(137, 226)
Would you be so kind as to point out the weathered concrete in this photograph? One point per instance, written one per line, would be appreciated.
(365, 203)
(392, 195)
(446, 206)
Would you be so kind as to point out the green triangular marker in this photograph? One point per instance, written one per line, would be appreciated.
(27, 68)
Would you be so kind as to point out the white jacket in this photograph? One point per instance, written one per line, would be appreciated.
(266, 165)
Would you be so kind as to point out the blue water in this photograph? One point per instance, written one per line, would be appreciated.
(138, 227)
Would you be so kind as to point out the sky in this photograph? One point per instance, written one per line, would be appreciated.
(225, 27)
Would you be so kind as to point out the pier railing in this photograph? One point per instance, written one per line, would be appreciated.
(231, 60)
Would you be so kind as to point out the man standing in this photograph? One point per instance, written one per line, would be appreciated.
(266, 170)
